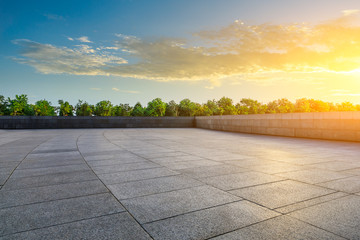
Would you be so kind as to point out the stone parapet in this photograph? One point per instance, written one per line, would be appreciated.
(46, 122)
(325, 125)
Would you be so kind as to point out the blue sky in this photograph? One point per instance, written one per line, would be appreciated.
(128, 51)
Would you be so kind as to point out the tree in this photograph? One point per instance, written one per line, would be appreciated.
(285, 106)
(212, 108)
(126, 109)
(103, 108)
(346, 106)
(318, 106)
(116, 110)
(280, 106)
(332, 107)
(187, 108)
(65, 108)
(44, 108)
(84, 109)
(203, 110)
(121, 110)
(156, 108)
(226, 104)
(20, 106)
(172, 109)
(271, 107)
(250, 106)
(199, 110)
(138, 110)
(4, 106)
(302, 105)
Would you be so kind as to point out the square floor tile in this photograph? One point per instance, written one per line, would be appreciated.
(240, 180)
(164, 205)
(279, 194)
(340, 216)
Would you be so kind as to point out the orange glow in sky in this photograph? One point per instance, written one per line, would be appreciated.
(238, 58)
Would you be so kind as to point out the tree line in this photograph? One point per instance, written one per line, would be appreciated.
(19, 106)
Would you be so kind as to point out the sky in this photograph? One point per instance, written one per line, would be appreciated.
(127, 51)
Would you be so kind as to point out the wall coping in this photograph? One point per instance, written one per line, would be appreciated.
(312, 115)
(87, 117)
(297, 116)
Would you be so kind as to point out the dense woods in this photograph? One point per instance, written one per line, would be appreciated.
(19, 106)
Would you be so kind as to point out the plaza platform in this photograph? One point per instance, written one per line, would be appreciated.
(176, 184)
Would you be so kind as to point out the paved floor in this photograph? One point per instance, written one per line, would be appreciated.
(176, 184)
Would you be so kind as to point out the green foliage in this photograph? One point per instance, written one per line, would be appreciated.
(3, 106)
(187, 108)
(172, 109)
(121, 110)
(103, 108)
(333, 107)
(250, 106)
(198, 109)
(226, 106)
(311, 105)
(212, 108)
(126, 109)
(19, 106)
(155, 108)
(319, 106)
(302, 105)
(346, 106)
(44, 108)
(116, 110)
(280, 106)
(84, 109)
(271, 107)
(65, 108)
(138, 110)
(203, 110)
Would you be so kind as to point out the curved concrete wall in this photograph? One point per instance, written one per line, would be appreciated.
(23, 122)
(328, 125)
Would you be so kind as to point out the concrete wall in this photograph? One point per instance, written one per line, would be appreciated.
(329, 125)
(23, 122)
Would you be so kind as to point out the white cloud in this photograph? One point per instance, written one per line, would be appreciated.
(85, 48)
(126, 37)
(110, 48)
(349, 12)
(249, 52)
(95, 89)
(82, 60)
(125, 91)
(70, 38)
(84, 39)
